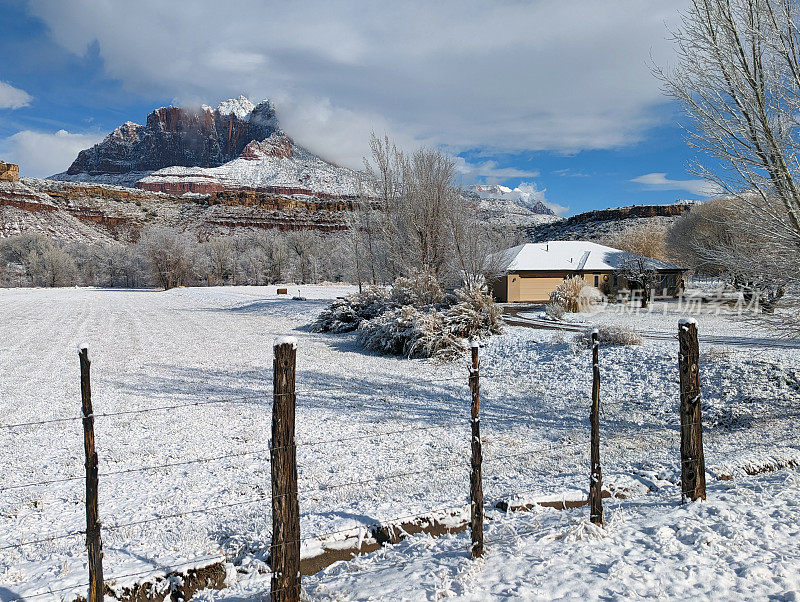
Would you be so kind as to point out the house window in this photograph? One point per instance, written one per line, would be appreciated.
(596, 280)
(616, 282)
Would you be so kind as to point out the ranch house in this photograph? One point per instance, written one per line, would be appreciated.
(532, 271)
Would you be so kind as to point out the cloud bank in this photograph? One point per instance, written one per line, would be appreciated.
(41, 154)
(461, 74)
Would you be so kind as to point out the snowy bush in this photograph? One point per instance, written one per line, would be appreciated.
(575, 295)
(554, 310)
(474, 315)
(417, 291)
(410, 332)
(610, 335)
(414, 318)
(344, 315)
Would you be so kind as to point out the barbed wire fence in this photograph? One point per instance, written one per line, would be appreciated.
(285, 496)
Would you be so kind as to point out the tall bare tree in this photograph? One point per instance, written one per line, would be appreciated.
(738, 78)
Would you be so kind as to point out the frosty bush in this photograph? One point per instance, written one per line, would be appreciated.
(415, 318)
(418, 291)
(575, 295)
(410, 332)
(610, 335)
(474, 315)
(344, 315)
(554, 310)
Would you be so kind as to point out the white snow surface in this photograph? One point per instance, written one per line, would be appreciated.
(154, 349)
(302, 170)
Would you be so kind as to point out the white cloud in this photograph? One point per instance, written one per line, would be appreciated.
(490, 171)
(13, 98)
(461, 74)
(660, 181)
(41, 154)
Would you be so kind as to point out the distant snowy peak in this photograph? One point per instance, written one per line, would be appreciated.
(183, 136)
(241, 107)
(525, 195)
(274, 165)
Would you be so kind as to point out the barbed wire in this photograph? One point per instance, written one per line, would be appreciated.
(47, 539)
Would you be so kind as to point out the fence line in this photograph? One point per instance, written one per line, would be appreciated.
(690, 397)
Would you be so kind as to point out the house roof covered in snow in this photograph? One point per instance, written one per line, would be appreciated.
(570, 255)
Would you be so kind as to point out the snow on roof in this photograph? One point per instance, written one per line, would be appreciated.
(570, 255)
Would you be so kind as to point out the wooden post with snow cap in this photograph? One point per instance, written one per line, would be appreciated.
(596, 474)
(693, 464)
(285, 549)
(94, 545)
(475, 481)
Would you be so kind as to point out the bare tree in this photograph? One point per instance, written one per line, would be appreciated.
(720, 238)
(52, 267)
(641, 277)
(170, 256)
(424, 223)
(738, 76)
(646, 239)
(220, 253)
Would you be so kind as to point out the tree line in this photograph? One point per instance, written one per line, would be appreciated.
(411, 219)
(166, 258)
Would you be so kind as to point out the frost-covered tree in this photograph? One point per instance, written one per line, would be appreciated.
(738, 78)
(641, 277)
(170, 256)
(720, 239)
(51, 267)
(420, 222)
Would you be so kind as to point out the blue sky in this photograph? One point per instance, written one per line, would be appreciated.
(560, 98)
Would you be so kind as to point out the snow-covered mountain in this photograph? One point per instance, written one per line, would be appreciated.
(202, 150)
(525, 195)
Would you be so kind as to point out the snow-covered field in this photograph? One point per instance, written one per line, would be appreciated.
(156, 349)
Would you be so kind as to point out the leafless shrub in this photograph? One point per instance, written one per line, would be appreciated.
(474, 315)
(575, 295)
(609, 335)
(416, 318)
(554, 310)
(344, 315)
(419, 290)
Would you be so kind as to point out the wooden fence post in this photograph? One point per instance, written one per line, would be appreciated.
(93, 543)
(475, 482)
(693, 464)
(285, 550)
(596, 474)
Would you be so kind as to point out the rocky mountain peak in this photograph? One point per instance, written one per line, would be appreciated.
(182, 136)
(241, 107)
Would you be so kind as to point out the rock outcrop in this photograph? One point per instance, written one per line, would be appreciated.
(202, 150)
(9, 172)
(189, 137)
(594, 225)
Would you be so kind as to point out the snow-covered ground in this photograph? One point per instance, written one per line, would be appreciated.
(155, 349)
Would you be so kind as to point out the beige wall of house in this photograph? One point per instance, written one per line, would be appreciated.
(536, 287)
